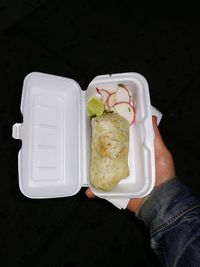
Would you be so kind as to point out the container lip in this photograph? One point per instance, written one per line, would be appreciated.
(124, 74)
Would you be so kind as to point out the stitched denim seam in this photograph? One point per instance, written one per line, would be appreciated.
(172, 220)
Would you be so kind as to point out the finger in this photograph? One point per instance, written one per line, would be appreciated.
(155, 127)
(89, 193)
(154, 119)
(158, 137)
(160, 145)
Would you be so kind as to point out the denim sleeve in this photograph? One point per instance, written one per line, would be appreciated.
(172, 213)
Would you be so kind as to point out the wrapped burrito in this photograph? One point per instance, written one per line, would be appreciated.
(109, 151)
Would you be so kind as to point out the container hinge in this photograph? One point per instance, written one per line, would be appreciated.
(16, 131)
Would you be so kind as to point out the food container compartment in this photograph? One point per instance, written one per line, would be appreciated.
(56, 133)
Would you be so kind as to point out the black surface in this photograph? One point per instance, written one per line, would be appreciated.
(81, 40)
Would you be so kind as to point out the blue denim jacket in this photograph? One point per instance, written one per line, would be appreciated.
(173, 214)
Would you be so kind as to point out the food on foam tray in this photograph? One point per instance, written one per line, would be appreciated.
(111, 115)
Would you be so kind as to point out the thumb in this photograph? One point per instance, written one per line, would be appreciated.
(159, 143)
(89, 193)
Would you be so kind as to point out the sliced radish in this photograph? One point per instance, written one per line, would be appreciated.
(122, 95)
(131, 102)
(104, 96)
(111, 100)
(125, 110)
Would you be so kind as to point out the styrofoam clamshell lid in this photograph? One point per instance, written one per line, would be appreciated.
(49, 160)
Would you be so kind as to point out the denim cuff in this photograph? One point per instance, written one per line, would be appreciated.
(165, 202)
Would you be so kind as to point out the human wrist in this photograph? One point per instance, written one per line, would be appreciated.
(136, 203)
(159, 201)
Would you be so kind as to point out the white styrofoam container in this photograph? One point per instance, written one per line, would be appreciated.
(55, 155)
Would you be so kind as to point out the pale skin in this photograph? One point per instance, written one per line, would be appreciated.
(164, 166)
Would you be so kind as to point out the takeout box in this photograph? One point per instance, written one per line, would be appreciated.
(55, 155)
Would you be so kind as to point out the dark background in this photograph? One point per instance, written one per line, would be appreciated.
(82, 39)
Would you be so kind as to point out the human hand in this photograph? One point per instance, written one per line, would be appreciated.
(164, 167)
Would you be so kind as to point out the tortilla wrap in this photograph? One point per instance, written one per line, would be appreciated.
(109, 151)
